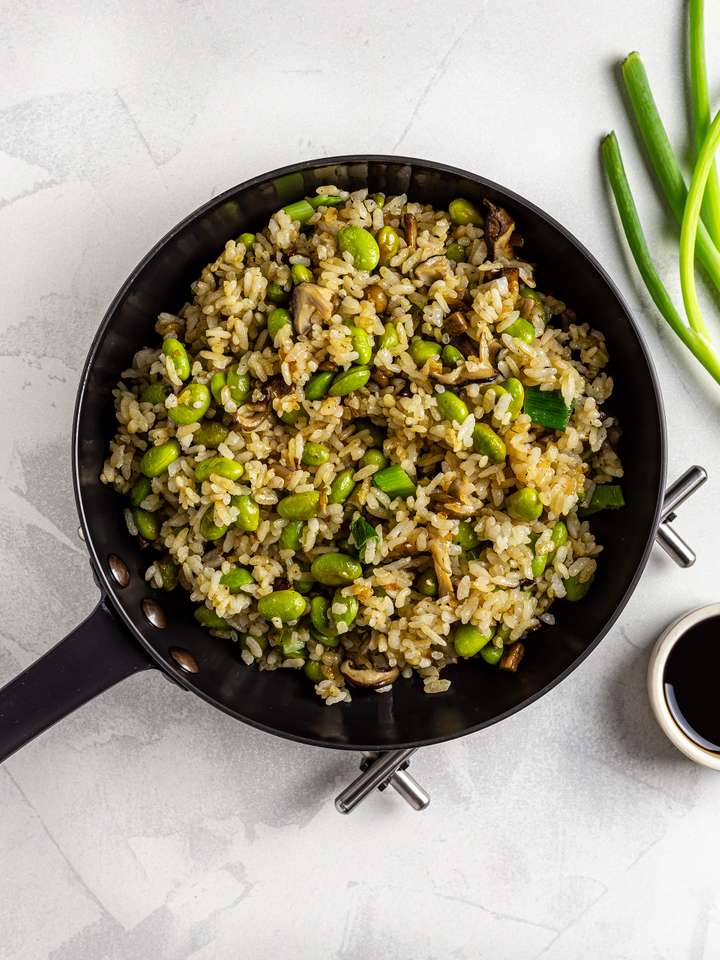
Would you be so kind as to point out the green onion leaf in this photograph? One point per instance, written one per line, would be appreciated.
(547, 408)
(700, 101)
(361, 532)
(605, 496)
(394, 482)
(327, 201)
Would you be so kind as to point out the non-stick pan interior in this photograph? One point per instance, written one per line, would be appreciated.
(283, 701)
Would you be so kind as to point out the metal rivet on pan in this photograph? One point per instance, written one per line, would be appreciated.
(185, 660)
(119, 570)
(155, 614)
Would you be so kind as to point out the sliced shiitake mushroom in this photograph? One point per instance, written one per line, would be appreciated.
(433, 268)
(441, 563)
(252, 415)
(369, 678)
(410, 227)
(512, 656)
(512, 275)
(455, 323)
(472, 369)
(309, 298)
(499, 227)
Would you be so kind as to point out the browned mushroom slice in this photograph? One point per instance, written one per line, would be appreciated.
(307, 299)
(168, 325)
(512, 657)
(370, 678)
(252, 416)
(472, 369)
(499, 226)
(410, 227)
(512, 275)
(441, 563)
(433, 268)
(454, 508)
(455, 324)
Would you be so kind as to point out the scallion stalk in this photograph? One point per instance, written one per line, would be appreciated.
(605, 496)
(546, 408)
(700, 101)
(394, 481)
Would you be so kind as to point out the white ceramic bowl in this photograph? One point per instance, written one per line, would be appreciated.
(656, 687)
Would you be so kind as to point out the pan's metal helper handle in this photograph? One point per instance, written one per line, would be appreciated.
(668, 538)
(378, 771)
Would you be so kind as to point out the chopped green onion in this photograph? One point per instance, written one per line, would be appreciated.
(605, 496)
(701, 112)
(394, 482)
(301, 210)
(328, 201)
(362, 531)
(547, 408)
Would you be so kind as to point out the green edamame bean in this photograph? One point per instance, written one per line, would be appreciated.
(517, 392)
(487, 442)
(236, 579)
(451, 407)
(291, 417)
(492, 654)
(361, 245)
(284, 605)
(350, 609)
(156, 460)
(353, 379)
(530, 294)
(524, 504)
(539, 562)
(239, 384)
(469, 640)
(362, 345)
(575, 590)
(319, 384)
(319, 617)
(522, 330)
(300, 273)
(211, 434)
(209, 619)
(276, 293)
(313, 671)
(341, 487)
(423, 350)
(303, 586)
(426, 583)
(463, 212)
(315, 454)
(388, 241)
(276, 320)
(167, 568)
(331, 640)
(503, 634)
(154, 393)
(175, 350)
(192, 404)
(291, 533)
(299, 506)
(217, 383)
(456, 253)
(221, 466)
(374, 457)
(559, 535)
(335, 569)
(390, 337)
(140, 489)
(148, 524)
(379, 199)
(451, 356)
(466, 536)
(248, 517)
(210, 530)
(247, 240)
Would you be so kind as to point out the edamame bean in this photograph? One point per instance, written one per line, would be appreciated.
(319, 616)
(426, 583)
(487, 442)
(291, 533)
(469, 640)
(521, 330)
(304, 586)
(517, 392)
(148, 524)
(539, 562)
(362, 345)
(217, 382)
(247, 240)
(140, 489)
(379, 199)
(211, 434)
(530, 294)
(248, 517)
(276, 320)
(353, 379)
(423, 350)
(451, 356)
(375, 458)
(466, 536)
(319, 384)
(575, 590)
(210, 530)
(350, 609)
(341, 487)
(276, 293)
(291, 417)
(313, 671)
(451, 407)
(284, 605)
(388, 241)
(315, 454)
(463, 212)
(221, 466)
(491, 653)
(390, 338)
(377, 297)
(154, 393)
(559, 535)
(192, 404)
(361, 245)
(236, 579)
(331, 640)
(156, 460)
(239, 384)
(456, 253)
(176, 352)
(524, 504)
(299, 506)
(335, 569)
(167, 568)
(300, 273)
(208, 618)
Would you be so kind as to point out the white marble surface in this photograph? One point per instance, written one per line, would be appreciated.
(148, 825)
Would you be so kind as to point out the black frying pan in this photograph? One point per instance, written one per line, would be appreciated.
(118, 639)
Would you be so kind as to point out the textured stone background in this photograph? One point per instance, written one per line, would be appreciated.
(148, 825)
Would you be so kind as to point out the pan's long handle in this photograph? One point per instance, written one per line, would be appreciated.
(668, 538)
(95, 656)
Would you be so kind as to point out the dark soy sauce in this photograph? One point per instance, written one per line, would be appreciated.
(692, 683)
